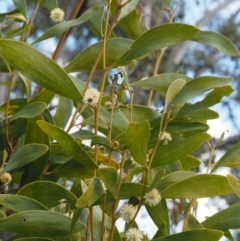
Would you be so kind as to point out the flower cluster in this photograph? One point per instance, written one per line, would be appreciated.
(127, 212)
(134, 234)
(91, 97)
(57, 15)
(5, 178)
(165, 136)
(153, 197)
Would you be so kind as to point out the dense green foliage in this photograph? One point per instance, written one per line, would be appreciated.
(63, 173)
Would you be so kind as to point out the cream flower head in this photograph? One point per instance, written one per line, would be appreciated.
(5, 178)
(165, 136)
(57, 15)
(134, 234)
(127, 212)
(153, 197)
(91, 97)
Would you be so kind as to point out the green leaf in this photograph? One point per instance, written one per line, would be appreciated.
(49, 4)
(47, 224)
(39, 68)
(92, 194)
(128, 8)
(140, 113)
(137, 137)
(84, 60)
(47, 193)
(174, 151)
(225, 219)
(194, 235)
(234, 150)
(159, 215)
(192, 223)
(200, 85)
(32, 171)
(60, 28)
(19, 203)
(192, 112)
(189, 162)
(160, 82)
(69, 144)
(100, 140)
(172, 91)
(65, 106)
(109, 176)
(234, 183)
(21, 6)
(44, 96)
(156, 180)
(217, 41)
(24, 155)
(198, 186)
(173, 178)
(28, 85)
(29, 111)
(73, 169)
(157, 38)
(131, 24)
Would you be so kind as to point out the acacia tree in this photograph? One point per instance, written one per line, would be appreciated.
(121, 150)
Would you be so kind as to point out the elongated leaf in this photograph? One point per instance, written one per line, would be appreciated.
(60, 28)
(47, 224)
(29, 111)
(234, 150)
(234, 183)
(140, 113)
(84, 60)
(100, 140)
(156, 179)
(157, 38)
(19, 203)
(128, 8)
(174, 151)
(39, 68)
(24, 155)
(198, 186)
(49, 4)
(109, 176)
(92, 194)
(197, 110)
(190, 162)
(172, 91)
(69, 144)
(159, 215)
(173, 178)
(225, 219)
(32, 171)
(198, 86)
(192, 223)
(65, 106)
(131, 24)
(217, 41)
(137, 137)
(21, 6)
(47, 193)
(73, 169)
(160, 82)
(194, 235)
